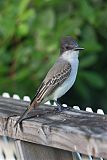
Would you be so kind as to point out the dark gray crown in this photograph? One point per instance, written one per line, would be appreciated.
(68, 43)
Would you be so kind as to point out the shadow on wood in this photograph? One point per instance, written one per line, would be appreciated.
(29, 151)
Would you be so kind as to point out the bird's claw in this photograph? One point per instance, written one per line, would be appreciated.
(61, 108)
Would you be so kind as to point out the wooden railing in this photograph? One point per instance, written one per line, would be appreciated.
(53, 135)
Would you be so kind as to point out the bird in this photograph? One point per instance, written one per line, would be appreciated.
(60, 78)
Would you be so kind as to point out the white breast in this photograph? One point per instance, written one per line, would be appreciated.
(60, 91)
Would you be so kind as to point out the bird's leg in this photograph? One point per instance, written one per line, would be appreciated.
(59, 106)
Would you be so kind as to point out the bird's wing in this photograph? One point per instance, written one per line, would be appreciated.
(55, 77)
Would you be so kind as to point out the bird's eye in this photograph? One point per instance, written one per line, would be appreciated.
(67, 47)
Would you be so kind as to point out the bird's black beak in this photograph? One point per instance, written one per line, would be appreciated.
(78, 48)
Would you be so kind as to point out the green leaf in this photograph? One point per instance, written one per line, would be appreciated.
(94, 79)
(23, 29)
(28, 15)
(46, 19)
(82, 89)
(22, 6)
(22, 74)
(90, 41)
(88, 60)
(87, 11)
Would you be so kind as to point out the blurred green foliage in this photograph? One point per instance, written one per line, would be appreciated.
(30, 32)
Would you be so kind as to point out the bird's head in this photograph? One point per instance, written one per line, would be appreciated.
(69, 44)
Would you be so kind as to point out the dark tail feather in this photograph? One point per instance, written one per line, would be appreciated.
(21, 117)
(25, 113)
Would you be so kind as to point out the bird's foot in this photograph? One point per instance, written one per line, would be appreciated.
(66, 108)
(60, 108)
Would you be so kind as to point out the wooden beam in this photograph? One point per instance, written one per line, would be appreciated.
(30, 151)
(69, 130)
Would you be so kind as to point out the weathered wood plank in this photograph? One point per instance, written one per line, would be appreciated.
(69, 130)
(30, 151)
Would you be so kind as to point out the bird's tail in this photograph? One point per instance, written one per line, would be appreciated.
(30, 107)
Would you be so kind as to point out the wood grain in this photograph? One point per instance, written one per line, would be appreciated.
(30, 151)
(69, 130)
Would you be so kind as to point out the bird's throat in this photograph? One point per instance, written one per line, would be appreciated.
(70, 55)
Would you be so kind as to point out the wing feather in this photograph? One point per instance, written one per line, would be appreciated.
(55, 77)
